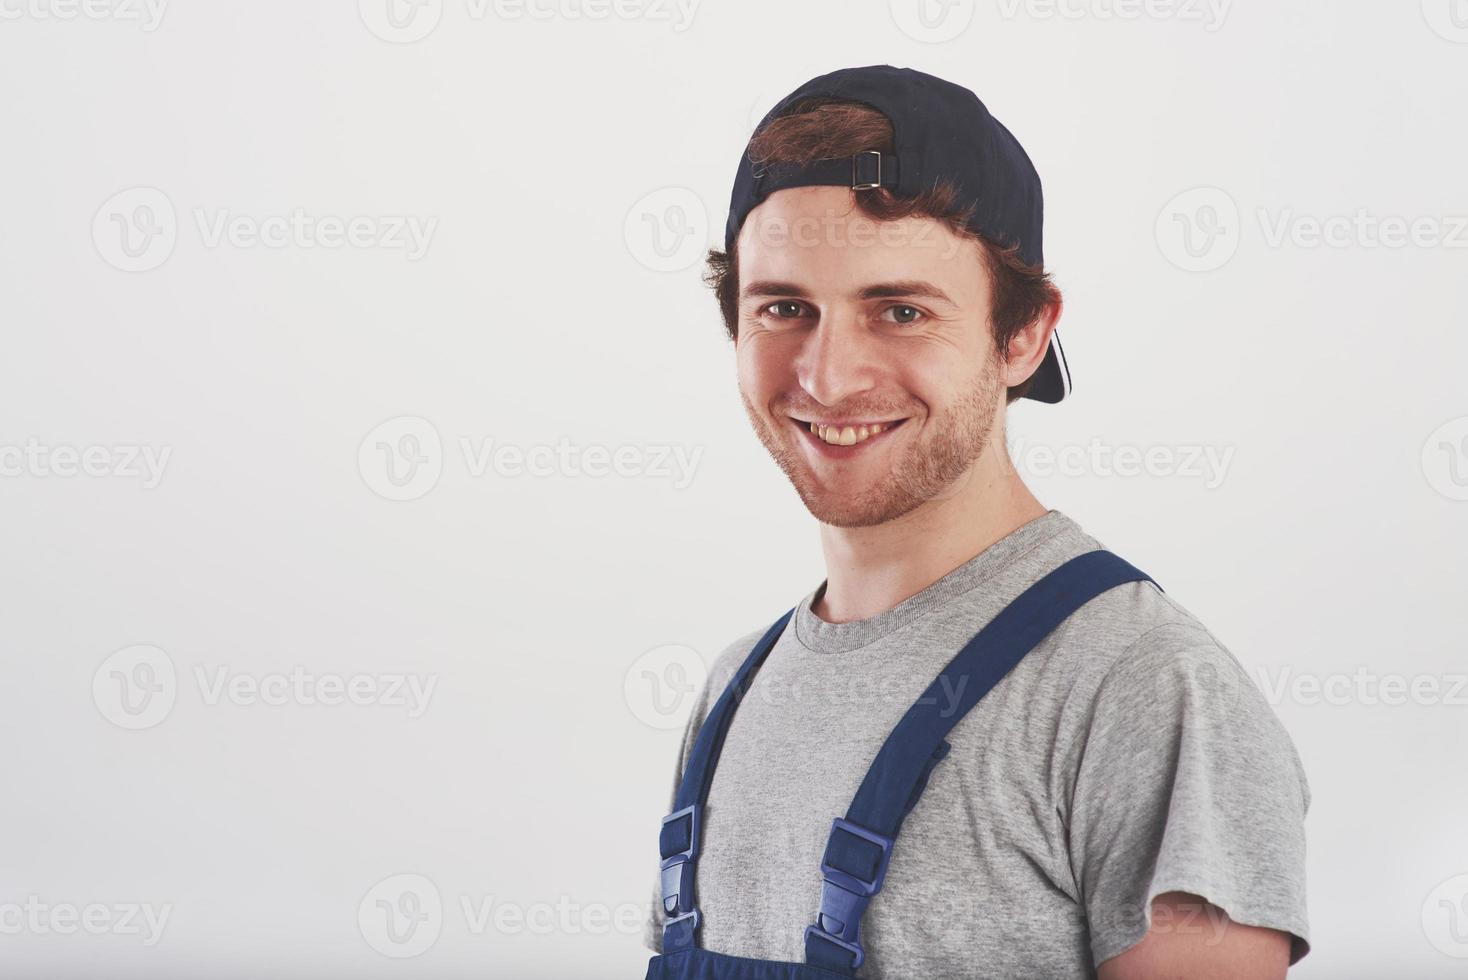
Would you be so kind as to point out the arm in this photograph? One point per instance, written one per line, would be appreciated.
(1194, 939)
(1187, 816)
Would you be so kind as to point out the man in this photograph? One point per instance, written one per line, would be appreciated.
(1121, 803)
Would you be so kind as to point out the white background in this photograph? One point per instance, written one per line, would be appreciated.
(574, 169)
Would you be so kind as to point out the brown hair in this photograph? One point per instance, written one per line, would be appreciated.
(820, 128)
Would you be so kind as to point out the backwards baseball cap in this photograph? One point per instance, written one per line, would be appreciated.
(939, 130)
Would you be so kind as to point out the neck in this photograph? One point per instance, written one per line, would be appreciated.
(871, 569)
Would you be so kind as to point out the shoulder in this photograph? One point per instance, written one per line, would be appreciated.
(1157, 644)
(1168, 678)
(729, 659)
(720, 672)
(1136, 627)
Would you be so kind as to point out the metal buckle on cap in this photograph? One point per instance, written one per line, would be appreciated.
(876, 183)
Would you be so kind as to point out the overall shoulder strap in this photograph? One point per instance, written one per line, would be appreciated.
(678, 842)
(860, 845)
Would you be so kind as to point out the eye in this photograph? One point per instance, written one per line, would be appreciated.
(905, 308)
(785, 304)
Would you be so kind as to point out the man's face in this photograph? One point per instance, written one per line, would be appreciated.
(866, 328)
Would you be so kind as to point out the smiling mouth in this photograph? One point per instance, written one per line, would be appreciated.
(846, 434)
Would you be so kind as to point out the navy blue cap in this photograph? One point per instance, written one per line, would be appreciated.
(939, 130)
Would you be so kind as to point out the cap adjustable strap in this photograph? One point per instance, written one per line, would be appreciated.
(860, 171)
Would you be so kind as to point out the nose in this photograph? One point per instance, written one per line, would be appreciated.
(838, 359)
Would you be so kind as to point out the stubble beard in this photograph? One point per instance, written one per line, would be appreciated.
(929, 469)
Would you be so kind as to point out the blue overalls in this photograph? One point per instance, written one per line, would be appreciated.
(860, 844)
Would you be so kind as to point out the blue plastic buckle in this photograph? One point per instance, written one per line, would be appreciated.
(677, 873)
(844, 896)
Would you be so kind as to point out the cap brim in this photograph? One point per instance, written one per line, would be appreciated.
(1052, 380)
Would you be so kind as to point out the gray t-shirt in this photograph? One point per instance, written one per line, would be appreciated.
(1127, 755)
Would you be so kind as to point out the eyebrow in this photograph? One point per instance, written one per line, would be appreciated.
(879, 290)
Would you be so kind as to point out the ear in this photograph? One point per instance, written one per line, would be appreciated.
(1027, 348)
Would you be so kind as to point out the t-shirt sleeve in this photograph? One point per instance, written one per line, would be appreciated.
(1187, 781)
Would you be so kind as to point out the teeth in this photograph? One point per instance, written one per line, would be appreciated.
(845, 436)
